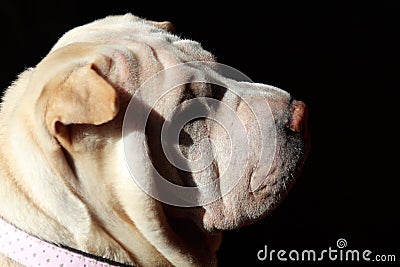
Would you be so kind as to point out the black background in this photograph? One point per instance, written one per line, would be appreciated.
(342, 60)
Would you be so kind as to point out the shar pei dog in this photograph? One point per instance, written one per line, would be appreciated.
(130, 146)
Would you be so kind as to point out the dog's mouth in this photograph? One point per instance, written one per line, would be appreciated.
(258, 189)
(265, 184)
(291, 152)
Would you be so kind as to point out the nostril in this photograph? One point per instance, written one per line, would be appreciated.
(298, 116)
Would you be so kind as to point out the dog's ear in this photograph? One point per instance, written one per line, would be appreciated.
(165, 25)
(83, 97)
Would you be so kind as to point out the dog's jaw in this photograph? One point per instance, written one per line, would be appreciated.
(261, 182)
(101, 210)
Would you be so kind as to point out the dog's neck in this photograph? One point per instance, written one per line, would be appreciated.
(29, 250)
(46, 204)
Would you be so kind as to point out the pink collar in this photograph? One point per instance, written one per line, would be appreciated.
(32, 251)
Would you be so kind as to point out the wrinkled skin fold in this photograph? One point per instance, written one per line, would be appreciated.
(63, 175)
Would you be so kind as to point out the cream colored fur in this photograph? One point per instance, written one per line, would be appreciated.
(63, 176)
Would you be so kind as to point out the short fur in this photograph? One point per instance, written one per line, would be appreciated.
(63, 176)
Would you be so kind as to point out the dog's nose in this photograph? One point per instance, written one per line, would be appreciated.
(297, 121)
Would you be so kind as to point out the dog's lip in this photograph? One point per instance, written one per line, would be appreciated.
(296, 125)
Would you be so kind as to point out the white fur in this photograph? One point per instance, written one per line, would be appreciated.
(73, 187)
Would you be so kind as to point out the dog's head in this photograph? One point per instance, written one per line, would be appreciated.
(236, 149)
